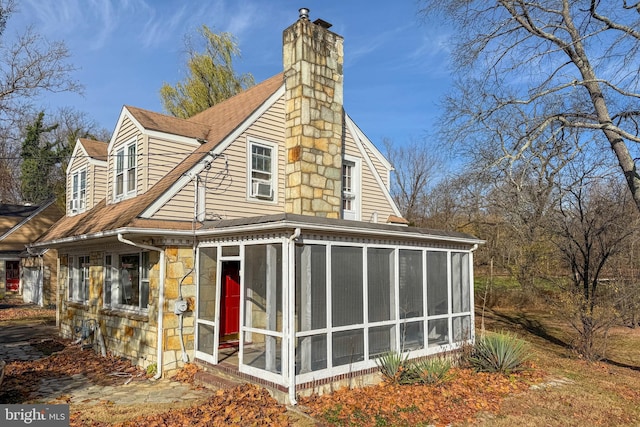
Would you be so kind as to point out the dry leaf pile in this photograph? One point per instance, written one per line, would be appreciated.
(17, 310)
(245, 405)
(455, 401)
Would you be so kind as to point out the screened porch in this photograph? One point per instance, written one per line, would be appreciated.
(312, 303)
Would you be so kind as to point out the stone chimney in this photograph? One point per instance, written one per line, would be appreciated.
(314, 118)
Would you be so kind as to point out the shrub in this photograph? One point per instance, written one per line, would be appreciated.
(392, 366)
(397, 369)
(433, 370)
(503, 352)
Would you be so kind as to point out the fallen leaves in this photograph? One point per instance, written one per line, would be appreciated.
(457, 400)
(245, 405)
(15, 311)
(23, 378)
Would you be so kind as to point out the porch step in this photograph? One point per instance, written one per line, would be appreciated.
(216, 380)
(224, 377)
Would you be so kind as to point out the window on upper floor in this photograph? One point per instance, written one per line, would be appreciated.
(126, 281)
(78, 278)
(125, 174)
(78, 202)
(262, 158)
(350, 188)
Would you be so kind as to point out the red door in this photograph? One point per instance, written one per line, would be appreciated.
(230, 313)
(13, 275)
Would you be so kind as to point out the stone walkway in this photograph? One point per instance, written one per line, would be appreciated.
(77, 389)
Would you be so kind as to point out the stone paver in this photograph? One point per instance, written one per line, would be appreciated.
(78, 389)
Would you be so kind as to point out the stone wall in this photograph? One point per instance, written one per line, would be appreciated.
(180, 265)
(129, 334)
(314, 119)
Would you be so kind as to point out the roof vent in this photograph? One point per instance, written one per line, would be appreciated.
(304, 13)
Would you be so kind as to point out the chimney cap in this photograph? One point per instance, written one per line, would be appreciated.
(322, 23)
(304, 13)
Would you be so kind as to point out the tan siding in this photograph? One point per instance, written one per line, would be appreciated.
(228, 197)
(98, 178)
(372, 199)
(378, 165)
(126, 132)
(77, 164)
(163, 156)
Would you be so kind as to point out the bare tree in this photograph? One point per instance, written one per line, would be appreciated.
(591, 225)
(549, 65)
(415, 167)
(29, 66)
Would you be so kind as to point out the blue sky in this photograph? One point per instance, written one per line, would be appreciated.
(396, 65)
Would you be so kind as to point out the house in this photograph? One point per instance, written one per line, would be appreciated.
(260, 232)
(30, 273)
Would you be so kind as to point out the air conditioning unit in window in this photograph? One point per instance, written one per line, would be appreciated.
(261, 190)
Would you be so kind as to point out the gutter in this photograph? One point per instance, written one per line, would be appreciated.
(159, 344)
(280, 224)
(291, 323)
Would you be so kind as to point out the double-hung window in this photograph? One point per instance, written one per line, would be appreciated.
(78, 278)
(262, 173)
(126, 280)
(125, 176)
(78, 202)
(350, 187)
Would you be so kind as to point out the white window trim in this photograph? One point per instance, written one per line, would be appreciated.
(77, 203)
(115, 282)
(355, 213)
(274, 171)
(124, 149)
(74, 271)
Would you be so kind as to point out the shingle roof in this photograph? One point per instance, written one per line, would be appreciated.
(95, 149)
(169, 124)
(221, 120)
(19, 211)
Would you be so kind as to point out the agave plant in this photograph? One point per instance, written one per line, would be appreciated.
(392, 365)
(433, 370)
(503, 352)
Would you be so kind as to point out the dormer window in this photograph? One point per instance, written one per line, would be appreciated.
(262, 173)
(125, 182)
(78, 202)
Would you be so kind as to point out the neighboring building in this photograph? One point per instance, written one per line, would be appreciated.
(32, 274)
(263, 225)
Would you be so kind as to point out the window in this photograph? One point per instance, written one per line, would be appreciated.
(350, 188)
(125, 179)
(263, 170)
(78, 278)
(78, 191)
(127, 283)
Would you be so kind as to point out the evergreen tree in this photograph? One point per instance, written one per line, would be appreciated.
(39, 161)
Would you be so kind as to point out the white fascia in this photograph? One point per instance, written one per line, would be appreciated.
(346, 229)
(217, 150)
(113, 233)
(360, 139)
(363, 138)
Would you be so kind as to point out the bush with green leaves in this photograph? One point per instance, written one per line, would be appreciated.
(503, 352)
(398, 369)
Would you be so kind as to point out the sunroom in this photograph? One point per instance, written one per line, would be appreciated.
(301, 299)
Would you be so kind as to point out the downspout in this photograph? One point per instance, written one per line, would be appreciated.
(158, 374)
(292, 303)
